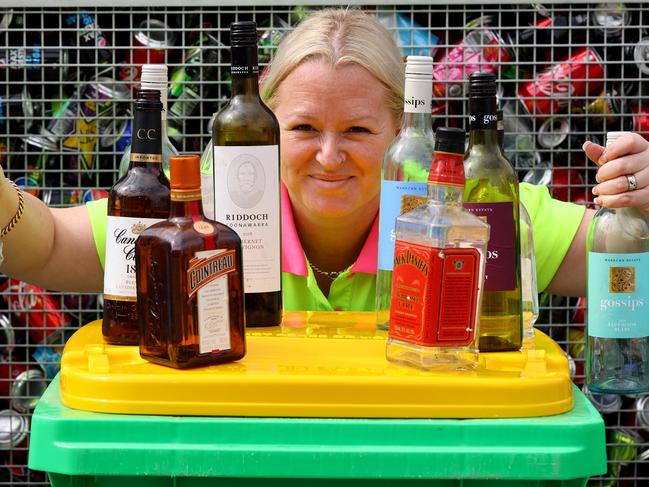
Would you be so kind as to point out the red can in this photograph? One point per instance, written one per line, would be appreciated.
(38, 310)
(481, 50)
(552, 91)
(150, 44)
(641, 120)
(567, 184)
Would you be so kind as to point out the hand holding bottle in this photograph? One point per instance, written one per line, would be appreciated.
(623, 175)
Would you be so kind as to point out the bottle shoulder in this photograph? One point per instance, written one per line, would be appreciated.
(185, 235)
(240, 109)
(619, 230)
(484, 159)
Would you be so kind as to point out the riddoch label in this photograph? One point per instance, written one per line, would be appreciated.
(434, 295)
(119, 273)
(208, 282)
(618, 295)
(246, 199)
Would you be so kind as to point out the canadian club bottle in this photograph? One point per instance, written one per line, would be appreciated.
(137, 200)
(617, 357)
(189, 281)
(246, 179)
(404, 173)
(491, 193)
(439, 261)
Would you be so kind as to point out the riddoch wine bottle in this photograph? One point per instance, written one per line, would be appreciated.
(404, 173)
(617, 356)
(136, 201)
(246, 179)
(491, 192)
(189, 281)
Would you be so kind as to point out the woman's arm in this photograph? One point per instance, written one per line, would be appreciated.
(50, 247)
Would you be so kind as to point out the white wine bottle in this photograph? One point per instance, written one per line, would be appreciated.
(617, 352)
(404, 174)
(492, 193)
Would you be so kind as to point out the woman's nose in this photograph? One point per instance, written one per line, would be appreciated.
(330, 153)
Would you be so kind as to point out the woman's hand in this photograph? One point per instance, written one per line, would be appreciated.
(623, 173)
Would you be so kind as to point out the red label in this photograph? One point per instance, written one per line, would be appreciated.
(434, 295)
(447, 169)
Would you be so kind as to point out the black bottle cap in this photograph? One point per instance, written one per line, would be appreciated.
(243, 33)
(482, 84)
(450, 139)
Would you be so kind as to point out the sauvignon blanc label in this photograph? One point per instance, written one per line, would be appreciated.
(119, 272)
(246, 199)
(397, 197)
(618, 295)
(208, 278)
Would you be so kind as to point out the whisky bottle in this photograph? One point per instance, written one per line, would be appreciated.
(617, 351)
(439, 261)
(189, 281)
(137, 200)
(246, 179)
(404, 172)
(491, 192)
(154, 77)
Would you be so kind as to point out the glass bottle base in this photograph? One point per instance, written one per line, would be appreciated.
(619, 385)
(431, 358)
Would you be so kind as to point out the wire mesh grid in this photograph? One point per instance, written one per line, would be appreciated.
(568, 73)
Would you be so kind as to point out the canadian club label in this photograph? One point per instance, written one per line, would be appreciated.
(246, 199)
(434, 295)
(207, 283)
(119, 272)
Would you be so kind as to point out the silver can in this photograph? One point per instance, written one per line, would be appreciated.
(14, 430)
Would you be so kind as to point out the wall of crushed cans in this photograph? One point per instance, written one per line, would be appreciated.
(67, 76)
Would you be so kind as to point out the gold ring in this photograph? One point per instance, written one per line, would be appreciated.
(632, 183)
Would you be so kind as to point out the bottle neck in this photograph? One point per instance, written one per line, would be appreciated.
(245, 71)
(186, 204)
(483, 121)
(445, 194)
(146, 147)
(417, 104)
(446, 177)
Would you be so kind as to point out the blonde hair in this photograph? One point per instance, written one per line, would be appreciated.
(340, 36)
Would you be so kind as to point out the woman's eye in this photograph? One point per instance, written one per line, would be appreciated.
(303, 127)
(359, 130)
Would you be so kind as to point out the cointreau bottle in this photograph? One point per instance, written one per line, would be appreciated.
(190, 281)
(439, 262)
(137, 200)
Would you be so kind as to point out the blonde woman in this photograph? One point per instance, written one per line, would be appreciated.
(336, 86)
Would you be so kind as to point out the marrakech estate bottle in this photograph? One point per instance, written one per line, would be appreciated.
(189, 281)
(137, 200)
(246, 179)
(492, 193)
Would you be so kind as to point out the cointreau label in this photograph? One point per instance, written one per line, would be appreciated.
(434, 295)
(202, 271)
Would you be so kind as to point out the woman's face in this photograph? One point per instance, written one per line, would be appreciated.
(335, 126)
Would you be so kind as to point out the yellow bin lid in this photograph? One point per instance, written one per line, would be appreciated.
(317, 364)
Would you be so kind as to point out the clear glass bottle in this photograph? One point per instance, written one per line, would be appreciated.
(439, 264)
(529, 284)
(154, 77)
(404, 173)
(492, 192)
(246, 179)
(196, 317)
(136, 201)
(617, 355)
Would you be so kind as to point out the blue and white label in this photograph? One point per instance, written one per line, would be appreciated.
(618, 295)
(392, 193)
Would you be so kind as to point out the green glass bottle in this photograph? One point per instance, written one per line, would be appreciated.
(491, 192)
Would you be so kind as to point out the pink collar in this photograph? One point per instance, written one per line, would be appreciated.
(293, 259)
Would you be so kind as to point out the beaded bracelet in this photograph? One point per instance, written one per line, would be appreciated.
(19, 212)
